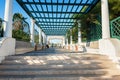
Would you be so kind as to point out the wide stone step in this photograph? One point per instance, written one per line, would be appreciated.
(53, 58)
(62, 78)
(50, 67)
(53, 73)
(59, 57)
(52, 62)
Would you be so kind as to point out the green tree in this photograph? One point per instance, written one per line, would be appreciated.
(93, 17)
(1, 27)
(21, 29)
(114, 8)
(19, 22)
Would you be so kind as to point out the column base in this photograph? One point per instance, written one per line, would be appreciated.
(7, 47)
(110, 47)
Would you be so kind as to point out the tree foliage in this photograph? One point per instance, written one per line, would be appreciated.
(21, 29)
(114, 8)
(93, 17)
(20, 35)
(1, 28)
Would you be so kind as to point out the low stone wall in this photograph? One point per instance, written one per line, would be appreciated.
(7, 47)
(23, 47)
(22, 44)
(94, 45)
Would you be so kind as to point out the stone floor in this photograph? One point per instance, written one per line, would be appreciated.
(58, 64)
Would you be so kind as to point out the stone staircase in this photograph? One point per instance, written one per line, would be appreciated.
(67, 66)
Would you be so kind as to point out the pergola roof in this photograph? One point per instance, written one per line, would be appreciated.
(55, 17)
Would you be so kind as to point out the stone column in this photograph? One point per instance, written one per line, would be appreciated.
(32, 32)
(46, 39)
(8, 18)
(70, 36)
(71, 44)
(79, 32)
(63, 41)
(66, 42)
(105, 19)
(8, 47)
(107, 45)
(40, 33)
(43, 38)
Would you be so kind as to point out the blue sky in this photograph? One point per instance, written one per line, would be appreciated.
(16, 9)
(2, 3)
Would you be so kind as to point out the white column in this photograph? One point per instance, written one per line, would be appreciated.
(67, 41)
(64, 41)
(32, 31)
(79, 32)
(46, 39)
(107, 45)
(40, 33)
(105, 19)
(70, 36)
(8, 18)
(43, 38)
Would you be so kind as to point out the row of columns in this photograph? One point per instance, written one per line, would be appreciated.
(42, 35)
(8, 23)
(79, 35)
(105, 23)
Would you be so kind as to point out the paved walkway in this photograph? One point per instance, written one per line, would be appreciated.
(49, 51)
(58, 64)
